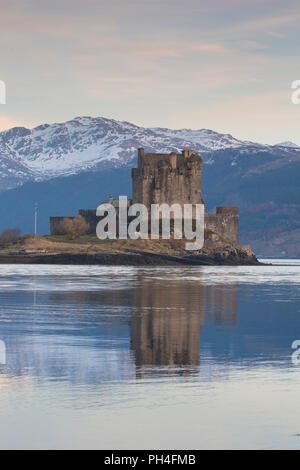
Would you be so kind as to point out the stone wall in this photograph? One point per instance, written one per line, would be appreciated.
(91, 219)
(55, 225)
(167, 178)
(89, 216)
(225, 222)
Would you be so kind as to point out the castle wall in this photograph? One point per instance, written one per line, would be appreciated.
(91, 219)
(167, 178)
(225, 222)
(211, 222)
(89, 216)
(55, 225)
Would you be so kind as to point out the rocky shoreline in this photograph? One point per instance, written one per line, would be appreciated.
(230, 257)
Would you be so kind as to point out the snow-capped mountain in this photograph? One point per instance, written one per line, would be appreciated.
(86, 143)
(288, 144)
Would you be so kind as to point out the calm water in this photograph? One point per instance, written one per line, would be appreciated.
(125, 357)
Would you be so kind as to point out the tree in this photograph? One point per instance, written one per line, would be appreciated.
(74, 228)
(8, 236)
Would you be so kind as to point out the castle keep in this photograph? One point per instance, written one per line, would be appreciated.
(174, 178)
(167, 178)
(177, 179)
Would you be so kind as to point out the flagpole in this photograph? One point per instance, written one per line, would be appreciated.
(35, 217)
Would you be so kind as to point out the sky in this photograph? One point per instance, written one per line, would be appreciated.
(225, 65)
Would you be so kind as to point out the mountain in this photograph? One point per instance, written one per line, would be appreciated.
(77, 164)
(288, 144)
(85, 143)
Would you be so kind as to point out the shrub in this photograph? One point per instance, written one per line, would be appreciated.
(9, 236)
(74, 228)
(23, 238)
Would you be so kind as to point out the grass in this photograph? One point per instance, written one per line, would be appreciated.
(91, 243)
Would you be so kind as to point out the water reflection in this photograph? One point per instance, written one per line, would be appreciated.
(113, 333)
(167, 320)
(94, 325)
(110, 356)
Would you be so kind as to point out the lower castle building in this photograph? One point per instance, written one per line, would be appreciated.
(174, 178)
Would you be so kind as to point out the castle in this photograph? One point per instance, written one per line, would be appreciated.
(169, 178)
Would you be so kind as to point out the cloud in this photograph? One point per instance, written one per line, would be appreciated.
(276, 34)
(254, 45)
(173, 49)
(144, 60)
(267, 21)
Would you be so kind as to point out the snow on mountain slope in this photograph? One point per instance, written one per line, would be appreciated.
(207, 139)
(288, 144)
(86, 143)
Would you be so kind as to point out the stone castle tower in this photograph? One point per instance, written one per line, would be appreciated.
(177, 179)
(167, 178)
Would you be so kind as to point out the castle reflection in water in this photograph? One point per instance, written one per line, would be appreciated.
(144, 326)
(166, 321)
